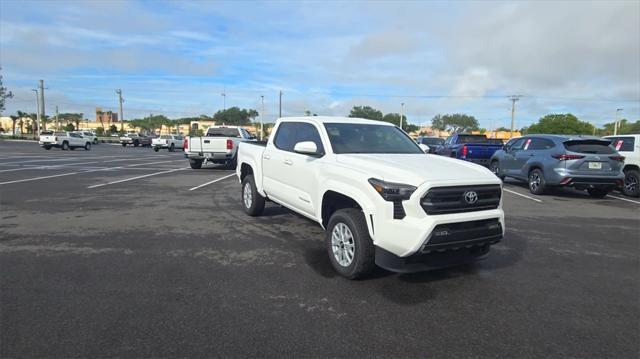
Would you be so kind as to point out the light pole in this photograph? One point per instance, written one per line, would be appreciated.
(615, 124)
(37, 109)
(401, 113)
(262, 119)
(224, 101)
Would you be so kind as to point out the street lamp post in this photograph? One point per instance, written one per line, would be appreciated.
(616, 124)
(401, 113)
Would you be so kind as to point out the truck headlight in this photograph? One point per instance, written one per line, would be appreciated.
(392, 191)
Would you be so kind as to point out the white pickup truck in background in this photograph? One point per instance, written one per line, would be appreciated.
(380, 198)
(63, 140)
(629, 147)
(219, 145)
(169, 142)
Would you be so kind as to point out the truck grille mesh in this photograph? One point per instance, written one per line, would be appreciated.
(447, 200)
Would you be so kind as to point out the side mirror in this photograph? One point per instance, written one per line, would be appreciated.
(424, 148)
(306, 148)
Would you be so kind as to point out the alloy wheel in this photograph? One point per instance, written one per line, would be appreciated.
(534, 181)
(342, 244)
(630, 183)
(246, 195)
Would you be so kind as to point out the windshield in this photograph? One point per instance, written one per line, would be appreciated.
(165, 137)
(365, 138)
(598, 147)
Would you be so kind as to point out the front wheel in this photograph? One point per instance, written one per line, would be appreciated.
(597, 192)
(87, 146)
(252, 201)
(124, 145)
(172, 148)
(495, 168)
(349, 245)
(65, 146)
(537, 184)
(631, 183)
(195, 164)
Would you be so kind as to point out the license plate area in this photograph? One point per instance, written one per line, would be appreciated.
(595, 165)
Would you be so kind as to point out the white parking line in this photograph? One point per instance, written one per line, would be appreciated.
(137, 177)
(52, 176)
(521, 195)
(623, 199)
(214, 181)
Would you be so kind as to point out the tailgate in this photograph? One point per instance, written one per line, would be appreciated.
(482, 151)
(47, 138)
(159, 141)
(208, 144)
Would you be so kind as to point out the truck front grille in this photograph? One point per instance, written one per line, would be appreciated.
(458, 199)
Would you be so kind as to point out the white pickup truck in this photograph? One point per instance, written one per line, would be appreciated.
(380, 198)
(629, 147)
(63, 140)
(170, 142)
(219, 145)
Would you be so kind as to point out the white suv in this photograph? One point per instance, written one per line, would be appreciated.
(629, 147)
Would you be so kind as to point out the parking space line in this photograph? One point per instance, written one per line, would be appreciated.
(623, 199)
(137, 177)
(52, 176)
(521, 195)
(211, 182)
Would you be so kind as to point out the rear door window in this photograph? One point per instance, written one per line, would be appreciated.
(223, 132)
(540, 144)
(623, 143)
(598, 147)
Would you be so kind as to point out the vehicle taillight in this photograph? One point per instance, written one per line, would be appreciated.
(185, 144)
(617, 158)
(229, 144)
(565, 157)
(465, 150)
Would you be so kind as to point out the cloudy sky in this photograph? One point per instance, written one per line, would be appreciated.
(177, 58)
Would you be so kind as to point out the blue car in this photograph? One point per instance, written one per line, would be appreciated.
(545, 161)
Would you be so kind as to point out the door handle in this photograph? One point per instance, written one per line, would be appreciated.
(288, 162)
(266, 157)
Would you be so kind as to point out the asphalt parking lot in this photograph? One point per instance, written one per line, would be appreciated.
(125, 252)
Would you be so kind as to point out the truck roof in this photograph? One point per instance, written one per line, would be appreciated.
(335, 119)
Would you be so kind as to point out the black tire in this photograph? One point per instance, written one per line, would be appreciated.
(495, 168)
(252, 201)
(156, 149)
(172, 148)
(124, 145)
(136, 143)
(598, 192)
(363, 261)
(47, 148)
(87, 146)
(231, 165)
(95, 142)
(537, 184)
(65, 146)
(195, 164)
(631, 183)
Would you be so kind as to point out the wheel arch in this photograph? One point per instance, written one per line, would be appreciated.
(631, 168)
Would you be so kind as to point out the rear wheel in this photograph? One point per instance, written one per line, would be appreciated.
(195, 164)
(252, 201)
(172, 148)
(598, 192)
(349, 245)
(631, 183)
(124, 145)
(47, 147)
(136, 143)
(65, 146)
(537, 184)
(95, 141)
(156, 149)
(87, 146)
(495, 168)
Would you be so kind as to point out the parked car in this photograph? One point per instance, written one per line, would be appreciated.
(135, 139)
(63, 140)
(380, 199)
(89, 136)
(170, 142)
(473, 148)
(629, 147)
(561, 161)
(434, 143)
(219, 145)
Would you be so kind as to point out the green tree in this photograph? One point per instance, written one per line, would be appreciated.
(235, 116)
(100, 131)
(564, 124)
(395, 119)
(113, 129)
(502, 129)
(5, 94)
(366, 112)
(456, 123)
(69, 127)
(625, 128)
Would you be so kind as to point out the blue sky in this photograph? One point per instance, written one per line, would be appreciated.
(177, 58)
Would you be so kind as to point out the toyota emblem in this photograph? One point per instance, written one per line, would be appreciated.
(471, 197)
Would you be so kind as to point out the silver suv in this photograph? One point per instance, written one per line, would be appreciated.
(554, 160)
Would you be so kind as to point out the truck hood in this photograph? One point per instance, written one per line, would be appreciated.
(416, 169)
